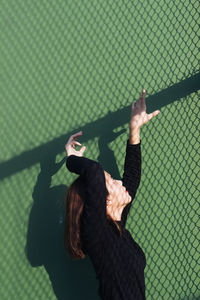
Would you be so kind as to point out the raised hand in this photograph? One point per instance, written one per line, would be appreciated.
(139, 116)
(70, 146)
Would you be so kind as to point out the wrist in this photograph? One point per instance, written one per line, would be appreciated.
(134, 135)
(68, 153)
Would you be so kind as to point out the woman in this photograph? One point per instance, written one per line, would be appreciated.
(96, 212)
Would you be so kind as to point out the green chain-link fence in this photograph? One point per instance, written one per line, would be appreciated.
(71, 65)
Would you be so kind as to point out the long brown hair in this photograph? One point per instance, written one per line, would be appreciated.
(74, 203)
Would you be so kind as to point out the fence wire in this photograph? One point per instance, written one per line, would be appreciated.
(71, 65)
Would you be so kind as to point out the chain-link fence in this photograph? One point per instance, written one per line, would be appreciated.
(71, 65)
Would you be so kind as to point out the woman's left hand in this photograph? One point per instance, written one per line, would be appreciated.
(139, 116)
(70, 146)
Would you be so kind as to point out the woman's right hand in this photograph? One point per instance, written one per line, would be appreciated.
(70, 146)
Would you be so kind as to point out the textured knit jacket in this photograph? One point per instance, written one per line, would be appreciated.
(119, 262)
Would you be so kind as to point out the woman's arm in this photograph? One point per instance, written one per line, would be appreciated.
(132, 174)
(92, 174)
(132, 168)
(80, 165)
(132, 165)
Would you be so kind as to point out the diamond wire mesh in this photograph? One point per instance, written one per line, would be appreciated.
(74, 64)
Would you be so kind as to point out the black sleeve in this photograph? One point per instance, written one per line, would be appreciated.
(132, 174)
(95, 188)
(81, 165)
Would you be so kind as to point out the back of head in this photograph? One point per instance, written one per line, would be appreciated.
(75, 198)
(73, 211)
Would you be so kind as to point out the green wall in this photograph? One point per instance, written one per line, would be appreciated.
(77, 65)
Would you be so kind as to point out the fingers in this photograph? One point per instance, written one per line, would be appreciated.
(73, 143)
(72, 139)
(77, 143)
(143, 95)
(74, 136)
(133, 105)
(153, 114)
(82, 150)
(142, 98)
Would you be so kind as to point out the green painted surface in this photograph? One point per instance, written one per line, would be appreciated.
(70, 65)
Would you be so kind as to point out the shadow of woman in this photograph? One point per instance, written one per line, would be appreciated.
(106, 155)
(45, 240)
